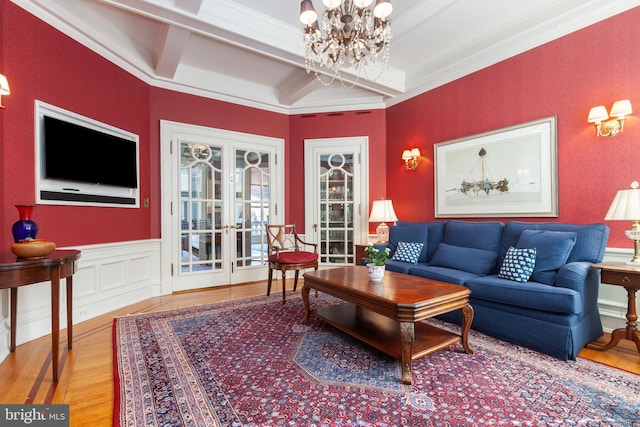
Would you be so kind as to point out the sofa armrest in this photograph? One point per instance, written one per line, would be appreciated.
(583, 279)
(573, 276)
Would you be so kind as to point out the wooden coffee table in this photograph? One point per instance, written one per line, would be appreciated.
(387, 315)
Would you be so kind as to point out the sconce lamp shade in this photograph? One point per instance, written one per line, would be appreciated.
(621, 108)
(4, 88)
(4, 85)
(598, 114)
(381, 211)
(626, 206)
(406, 155)
(415, 152)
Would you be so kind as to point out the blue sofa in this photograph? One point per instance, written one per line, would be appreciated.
(541, 293)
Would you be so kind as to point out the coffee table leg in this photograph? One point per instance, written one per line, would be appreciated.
(407, 333)
(305, 300)
(467, 319)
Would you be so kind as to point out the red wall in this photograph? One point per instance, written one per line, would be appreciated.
(597, 65)
(370, 123)
(594, 66)
(183, 108)
(41, 63)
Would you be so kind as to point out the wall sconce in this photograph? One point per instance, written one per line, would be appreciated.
(410, 158)
(4, 88)
(612, 127)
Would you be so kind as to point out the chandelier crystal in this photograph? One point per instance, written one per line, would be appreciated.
(351, 34)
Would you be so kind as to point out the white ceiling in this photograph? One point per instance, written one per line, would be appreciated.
(250, 52)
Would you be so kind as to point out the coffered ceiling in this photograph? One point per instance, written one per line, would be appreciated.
(250, 52)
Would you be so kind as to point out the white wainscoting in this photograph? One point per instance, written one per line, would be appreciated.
(612, 300)
(109, 276)
(114, 275)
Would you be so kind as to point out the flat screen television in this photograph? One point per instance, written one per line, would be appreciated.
(82, 161)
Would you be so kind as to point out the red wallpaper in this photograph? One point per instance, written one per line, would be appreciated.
(371, 123)
(43, 64)
(597, 65)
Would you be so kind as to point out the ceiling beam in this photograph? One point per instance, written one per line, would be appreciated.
(297, 87)
(173, 42)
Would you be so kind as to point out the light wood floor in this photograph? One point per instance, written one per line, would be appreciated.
(86, 377)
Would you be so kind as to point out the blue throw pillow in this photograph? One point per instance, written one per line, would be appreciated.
(471, 260)
(552, 251)
(408, 252)
(409, 232)
(518, 264)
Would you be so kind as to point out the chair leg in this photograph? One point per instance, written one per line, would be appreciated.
(284, 286)
(295, 282)
(269, 282)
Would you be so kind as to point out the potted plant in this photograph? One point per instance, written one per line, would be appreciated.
(377, 259)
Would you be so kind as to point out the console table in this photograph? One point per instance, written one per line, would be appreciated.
(621, 274)
(16, 272)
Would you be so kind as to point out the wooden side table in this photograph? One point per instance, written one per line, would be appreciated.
(16, 272)
(621, 274)
(359, 253)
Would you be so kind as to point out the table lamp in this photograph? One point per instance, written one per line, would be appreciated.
(626, 206)
(382, 211)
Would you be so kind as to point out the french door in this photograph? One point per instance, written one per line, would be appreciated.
(221, 188)
(336, 190)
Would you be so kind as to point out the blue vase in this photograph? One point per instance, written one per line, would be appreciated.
(24, 228)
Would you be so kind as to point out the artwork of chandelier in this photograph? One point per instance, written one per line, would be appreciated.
(351, 34)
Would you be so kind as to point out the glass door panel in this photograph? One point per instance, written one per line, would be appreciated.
(252, 204)
(200, 227)
(336, 208)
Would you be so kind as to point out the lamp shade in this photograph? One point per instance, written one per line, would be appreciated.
(626, 204)
(621, 108)
(382, 9)
(4, 85)
(308, 14)
(382, 211)
(598, 114)
(406, 155)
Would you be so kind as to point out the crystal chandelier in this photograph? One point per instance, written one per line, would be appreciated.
(350, 34)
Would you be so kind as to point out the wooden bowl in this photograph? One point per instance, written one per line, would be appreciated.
(33, 248)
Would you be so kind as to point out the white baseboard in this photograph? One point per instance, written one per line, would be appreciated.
(109, 276)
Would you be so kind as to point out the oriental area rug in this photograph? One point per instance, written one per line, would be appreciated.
(252, 363)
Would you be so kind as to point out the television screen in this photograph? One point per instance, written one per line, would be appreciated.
(81, 154)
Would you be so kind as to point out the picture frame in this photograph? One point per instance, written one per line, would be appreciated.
(507, 172)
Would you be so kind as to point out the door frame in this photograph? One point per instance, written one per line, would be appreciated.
(311, 190)
(170, 131)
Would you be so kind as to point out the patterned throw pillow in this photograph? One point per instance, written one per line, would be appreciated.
(408, 252)
(518, 264)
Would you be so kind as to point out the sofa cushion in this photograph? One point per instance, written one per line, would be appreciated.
(553, 249)
(591, 239)
(434, 235)
(408, 252)
(518, 264)
(535, 295)
(409, 232)
(442, 274)
(478, 235)
(471, 260)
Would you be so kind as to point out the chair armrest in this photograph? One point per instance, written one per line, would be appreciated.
(302, 242)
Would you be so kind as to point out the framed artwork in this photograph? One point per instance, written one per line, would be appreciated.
(508, 172)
